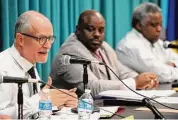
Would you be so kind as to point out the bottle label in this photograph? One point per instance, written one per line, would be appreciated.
(86, 104)
(45, 105)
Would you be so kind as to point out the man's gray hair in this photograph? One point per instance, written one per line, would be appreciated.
(141, 12)
(22, 25)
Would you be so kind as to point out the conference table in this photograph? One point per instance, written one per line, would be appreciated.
(127, 110)
(130, 110)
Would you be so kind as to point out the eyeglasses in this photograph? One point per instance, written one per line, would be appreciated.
(42, 40)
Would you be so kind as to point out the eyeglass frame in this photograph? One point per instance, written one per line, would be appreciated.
(41, 38)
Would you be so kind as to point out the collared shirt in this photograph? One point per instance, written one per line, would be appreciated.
(12, 64)
(136, 52)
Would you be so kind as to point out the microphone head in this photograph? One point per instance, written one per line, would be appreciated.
(165, 44)
(67, 60)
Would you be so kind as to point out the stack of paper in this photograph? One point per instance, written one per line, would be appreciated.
(131, 95)
(168, 100)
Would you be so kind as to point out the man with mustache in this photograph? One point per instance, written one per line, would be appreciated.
(142, 50)
(88, 42)
(33, 38)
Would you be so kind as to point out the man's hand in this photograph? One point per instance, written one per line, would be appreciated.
(72, 102)
(63, 97)
(146, 80)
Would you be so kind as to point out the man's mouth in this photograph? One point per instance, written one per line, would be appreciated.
(43, 52)
(96, 41)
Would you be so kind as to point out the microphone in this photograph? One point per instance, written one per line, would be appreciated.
(19, 80)
(155, 111)
(10, 79)
(167, 44)
(67, 60)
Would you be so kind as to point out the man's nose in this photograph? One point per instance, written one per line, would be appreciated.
(97, 33)
(159, 28)
(47, 44)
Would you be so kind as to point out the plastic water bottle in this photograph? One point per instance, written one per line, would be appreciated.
(85, 106)
(45, 106)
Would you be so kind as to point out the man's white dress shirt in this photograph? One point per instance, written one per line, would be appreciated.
(12, 64)
(136, 52)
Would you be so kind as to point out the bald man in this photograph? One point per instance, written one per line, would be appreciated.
(88, 42)
(33, 40)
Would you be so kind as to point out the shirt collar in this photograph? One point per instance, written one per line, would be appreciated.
(25, 64)
(143, 38)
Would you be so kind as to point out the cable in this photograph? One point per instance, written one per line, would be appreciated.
(102, 63)
(77, 57)
(137, 92)
(80, 99)
(125, 84)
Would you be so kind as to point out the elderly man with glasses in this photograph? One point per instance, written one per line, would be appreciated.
(33, 40)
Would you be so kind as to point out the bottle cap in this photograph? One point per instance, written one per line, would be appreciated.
(87, 91)
(46, 90)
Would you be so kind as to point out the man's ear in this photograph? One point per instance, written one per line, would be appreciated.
(139, 26)
(19, 39)
(77, 29)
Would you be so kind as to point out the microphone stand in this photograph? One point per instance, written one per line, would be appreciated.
(85, 76)
(20, 101)
(149, 105)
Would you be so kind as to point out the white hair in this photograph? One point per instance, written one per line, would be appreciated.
(141, 12)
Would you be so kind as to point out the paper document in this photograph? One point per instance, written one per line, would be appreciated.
(160, 110)
(104, 113)
(66, 114)
(131, 95)
(169, 100)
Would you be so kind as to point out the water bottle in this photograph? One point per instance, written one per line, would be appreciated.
(85, 106)
(45, 106)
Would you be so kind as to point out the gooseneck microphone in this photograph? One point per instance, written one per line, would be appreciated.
(72, 59)
(67, 59)
(167, 44)
(10, 79)
(19, 81)
(148, 104)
